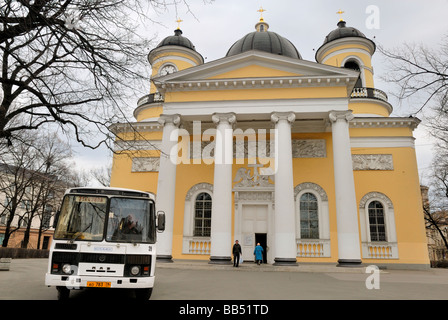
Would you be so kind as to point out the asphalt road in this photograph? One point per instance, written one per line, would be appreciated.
(25, 281)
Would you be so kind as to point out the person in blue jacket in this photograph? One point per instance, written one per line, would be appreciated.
(258, 252)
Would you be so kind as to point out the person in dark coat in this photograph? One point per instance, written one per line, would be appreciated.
(236, 250)
(258, 252)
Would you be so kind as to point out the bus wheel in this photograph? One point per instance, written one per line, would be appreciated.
(63, 293)
(143, 294)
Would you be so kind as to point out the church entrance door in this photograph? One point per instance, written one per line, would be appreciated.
(262, 239)
(254, 228)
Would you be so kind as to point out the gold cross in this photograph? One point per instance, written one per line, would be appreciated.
(340, 12)
(178, 23)
(261, 10)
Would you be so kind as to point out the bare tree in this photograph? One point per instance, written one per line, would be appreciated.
(46, 186)
(419, 72)
(102, 175)
(436, 214)
(14, 181)
(421, 75)
(30, 178)
(73, 63)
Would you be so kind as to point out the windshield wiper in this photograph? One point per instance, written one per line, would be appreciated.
(81, 233)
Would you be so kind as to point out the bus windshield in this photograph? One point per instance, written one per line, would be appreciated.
(131, 220)
(82, 218)
(85, 218)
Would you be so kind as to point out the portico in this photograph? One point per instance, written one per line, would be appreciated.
(269, 188)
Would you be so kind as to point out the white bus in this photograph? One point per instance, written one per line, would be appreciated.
(105, 238)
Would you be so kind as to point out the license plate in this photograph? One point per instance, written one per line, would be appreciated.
(98, 284)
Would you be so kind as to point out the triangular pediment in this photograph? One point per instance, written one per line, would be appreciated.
(258, 65)
(254, 71)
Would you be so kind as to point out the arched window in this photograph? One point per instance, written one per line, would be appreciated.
(202, 215)
(354, 66)
(309, 217)
(376, 221)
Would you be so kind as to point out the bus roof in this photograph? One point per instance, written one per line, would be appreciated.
(111, 191)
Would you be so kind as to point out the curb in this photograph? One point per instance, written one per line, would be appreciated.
(252, 267)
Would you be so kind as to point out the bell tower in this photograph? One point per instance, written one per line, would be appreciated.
(174, 53)
(348, 47)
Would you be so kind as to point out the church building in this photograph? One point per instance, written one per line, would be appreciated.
(262, 146)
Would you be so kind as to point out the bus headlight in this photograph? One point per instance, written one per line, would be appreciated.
(135, 270)
(66, 268)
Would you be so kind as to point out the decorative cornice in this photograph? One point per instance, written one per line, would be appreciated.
(385, 122)
(370, 45)
(373, 196)
(143, 126)
(167, 52)
(253, 83)
(200, 186)
(311, 186)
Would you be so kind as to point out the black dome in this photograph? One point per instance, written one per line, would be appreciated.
(177, 40)
(342, 31)
(264, 41)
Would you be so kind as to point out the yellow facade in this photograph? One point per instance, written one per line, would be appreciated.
(252, 85)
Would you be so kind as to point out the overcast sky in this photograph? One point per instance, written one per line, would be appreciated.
(213, 26)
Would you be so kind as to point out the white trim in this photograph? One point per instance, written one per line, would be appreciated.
(384, 122)
(367, 115)
(258, 83)
(168, 63)
(176, 49)
(255, 196)
(170, 58)
(270, 60)
(345, 41)
(360, 64)
(190, 243)
(378, 249)
(382, 142)
(348, 50)
(257, 109)
(324, 221)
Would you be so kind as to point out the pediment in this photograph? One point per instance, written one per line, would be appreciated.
(259, 66)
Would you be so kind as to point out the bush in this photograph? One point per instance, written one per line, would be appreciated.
(439, 264)
(19, 253)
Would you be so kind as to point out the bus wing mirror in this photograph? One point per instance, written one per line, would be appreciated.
(56, 218)
(160, 221)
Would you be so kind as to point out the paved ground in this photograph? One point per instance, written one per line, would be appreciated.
(201, 281)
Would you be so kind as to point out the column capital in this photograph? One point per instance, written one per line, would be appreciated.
(229, 118)
(169, 118)
(288, 116)
(346, 115)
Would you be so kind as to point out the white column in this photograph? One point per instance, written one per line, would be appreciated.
(346, 211)
(166, 185)
(284, 217)
(221, 227)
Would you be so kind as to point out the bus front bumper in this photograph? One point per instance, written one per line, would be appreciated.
(78, 282)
